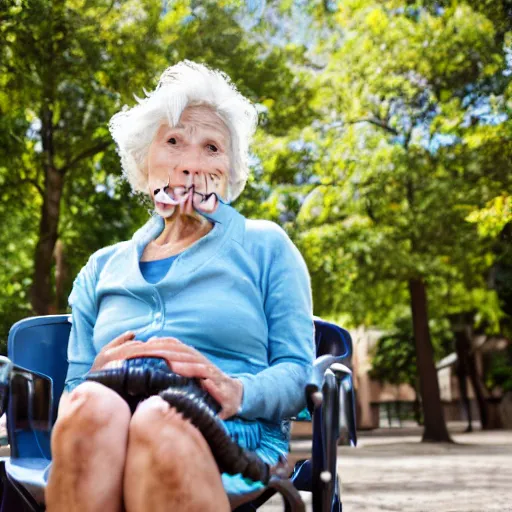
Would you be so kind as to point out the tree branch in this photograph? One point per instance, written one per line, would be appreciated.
(35, 185)
(98, 148)
(17, 187)
(376, 122)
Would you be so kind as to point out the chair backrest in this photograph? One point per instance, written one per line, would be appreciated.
(331, 339)
(39, 344)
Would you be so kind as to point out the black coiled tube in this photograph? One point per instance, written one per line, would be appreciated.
(139, 378)
(142, 377)
(230, 457)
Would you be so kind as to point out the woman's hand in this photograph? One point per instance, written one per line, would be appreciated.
(183, 360)
(115, 350)
(189, 362)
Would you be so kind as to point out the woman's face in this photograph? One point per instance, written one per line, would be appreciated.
(188, 164)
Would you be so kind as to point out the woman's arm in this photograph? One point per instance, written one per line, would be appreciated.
(81, 351)
(278, 391)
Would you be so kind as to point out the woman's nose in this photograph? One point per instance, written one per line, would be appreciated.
(197, 177)
(200, 180)
(192, 169)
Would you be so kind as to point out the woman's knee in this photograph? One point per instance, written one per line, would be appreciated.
(160, 429)
(88, 411)
(173, 458)
(89, 443)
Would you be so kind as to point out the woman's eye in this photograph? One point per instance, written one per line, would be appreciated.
(213, 177)
(172, 140)
(212, 147)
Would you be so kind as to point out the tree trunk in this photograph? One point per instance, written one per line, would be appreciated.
(478, 387)
(61, 274)
(417, 403)
(466, 359)
(48, 233)
(48, 227)
(435, 425)
(461, 350)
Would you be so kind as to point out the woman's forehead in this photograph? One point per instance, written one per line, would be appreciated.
(201, 116)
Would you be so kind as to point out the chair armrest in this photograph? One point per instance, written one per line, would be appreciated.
(5, 381)
(322, 366)
(317, 375)
(29, 393)
(330, 393)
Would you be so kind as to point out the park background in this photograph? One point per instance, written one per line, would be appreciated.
(384, 149)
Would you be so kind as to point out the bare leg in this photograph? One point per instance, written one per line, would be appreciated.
(169, 465)
(89, 451)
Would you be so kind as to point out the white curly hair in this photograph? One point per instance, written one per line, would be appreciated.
(184, 84)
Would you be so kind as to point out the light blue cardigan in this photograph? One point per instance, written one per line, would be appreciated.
(241, 295)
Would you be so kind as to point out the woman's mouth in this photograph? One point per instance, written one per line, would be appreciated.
(164, 206)
(168, 198)
(207, 203)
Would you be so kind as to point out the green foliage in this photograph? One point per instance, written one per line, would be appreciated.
(500, 371)
(494, 217)
(416, 137)
(65, 67)
(394, 356)
(384, 148)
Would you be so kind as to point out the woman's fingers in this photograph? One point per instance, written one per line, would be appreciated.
(114, 363)
(227, 391)
(110, 350)
(120, 351)
(181, 358)
(194, 370)
(140, 349)
(175, 345)
(120, 340)
(167, 341)
(128, 335)
(210, 386)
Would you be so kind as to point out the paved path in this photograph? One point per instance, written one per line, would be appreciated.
(391, 470)
(398, 473)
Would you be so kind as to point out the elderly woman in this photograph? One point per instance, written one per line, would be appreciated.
(221, 298)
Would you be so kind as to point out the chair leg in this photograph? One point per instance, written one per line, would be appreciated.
(325, 438)
(336, 503)
(14, 498)
(256, 503)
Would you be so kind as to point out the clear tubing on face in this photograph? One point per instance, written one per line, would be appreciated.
(163, 197)
(175, 196)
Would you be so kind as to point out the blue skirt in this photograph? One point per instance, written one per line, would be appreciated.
(268, 440)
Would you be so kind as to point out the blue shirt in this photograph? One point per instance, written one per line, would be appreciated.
(155, 270)
(241, 295)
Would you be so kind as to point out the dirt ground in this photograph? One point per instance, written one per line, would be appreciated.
(392, 471)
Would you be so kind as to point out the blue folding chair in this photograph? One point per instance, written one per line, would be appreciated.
(34, 381)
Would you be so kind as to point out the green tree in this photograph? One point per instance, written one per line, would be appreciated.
(414, 115)
(66, 66)
(394, 356)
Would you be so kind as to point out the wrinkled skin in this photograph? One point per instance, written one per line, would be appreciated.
(183, 360)
(155, 457)
(190, 159)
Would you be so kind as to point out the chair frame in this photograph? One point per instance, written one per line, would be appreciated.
(330, 398)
